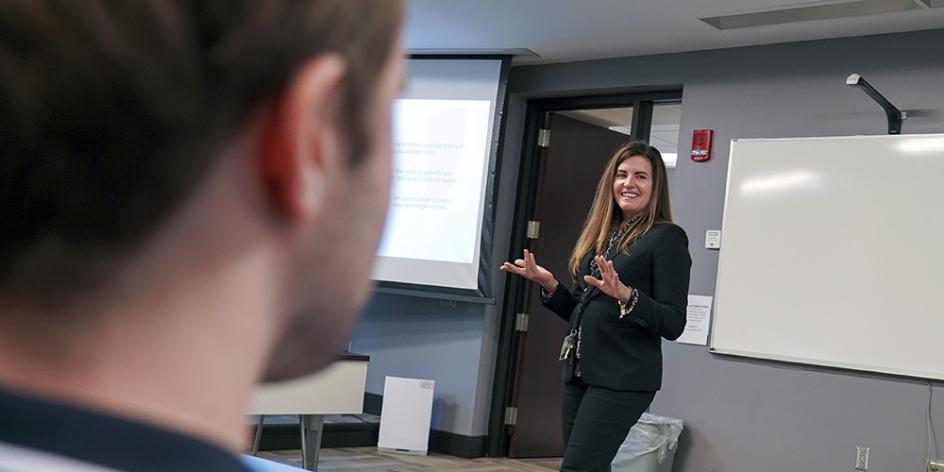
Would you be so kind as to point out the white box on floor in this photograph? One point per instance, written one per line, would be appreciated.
(405, 416)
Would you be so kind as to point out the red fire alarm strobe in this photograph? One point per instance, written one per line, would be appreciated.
(701, 145)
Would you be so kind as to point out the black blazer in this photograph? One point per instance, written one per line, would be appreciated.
(626, 354)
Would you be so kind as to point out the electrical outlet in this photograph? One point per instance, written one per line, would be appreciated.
(936, 466)
(862, 458)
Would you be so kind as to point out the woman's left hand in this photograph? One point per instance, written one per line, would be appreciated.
(609, 283)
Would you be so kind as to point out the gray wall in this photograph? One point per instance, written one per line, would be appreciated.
(425, 338)
(746, 416)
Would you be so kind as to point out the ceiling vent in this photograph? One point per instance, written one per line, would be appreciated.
(817, 11)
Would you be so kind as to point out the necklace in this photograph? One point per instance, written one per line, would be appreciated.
(615, 237)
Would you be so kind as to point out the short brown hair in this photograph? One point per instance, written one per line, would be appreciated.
(111, 113)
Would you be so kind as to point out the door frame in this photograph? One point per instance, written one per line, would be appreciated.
(504, 388)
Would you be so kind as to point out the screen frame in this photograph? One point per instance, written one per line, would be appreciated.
(484, 294)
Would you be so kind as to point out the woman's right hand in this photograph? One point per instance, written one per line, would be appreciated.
(529, 269)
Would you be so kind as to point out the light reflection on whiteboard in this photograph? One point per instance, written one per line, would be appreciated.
(781, 183)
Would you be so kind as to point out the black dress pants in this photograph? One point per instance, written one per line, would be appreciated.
(595, 423)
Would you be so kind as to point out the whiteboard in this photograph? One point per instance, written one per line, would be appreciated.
(833, 253)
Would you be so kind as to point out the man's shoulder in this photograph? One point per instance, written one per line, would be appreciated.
(40, 433)
(21, 459)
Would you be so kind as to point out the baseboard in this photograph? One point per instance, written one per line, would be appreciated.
(373, 403)
(459, 445)
(281, 437)
(350, 435)
(286, 436)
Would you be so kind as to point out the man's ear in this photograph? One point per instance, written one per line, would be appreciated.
(298, 136)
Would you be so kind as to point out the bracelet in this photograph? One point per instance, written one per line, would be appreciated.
(627, 307)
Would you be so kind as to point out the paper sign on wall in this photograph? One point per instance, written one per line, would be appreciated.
(699, 319)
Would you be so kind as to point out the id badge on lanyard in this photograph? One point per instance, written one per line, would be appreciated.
(570, 341)
(568, 346)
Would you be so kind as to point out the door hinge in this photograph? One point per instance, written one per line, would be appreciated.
(544, 138)
(521, 323)
(534, 229)
(511, 416)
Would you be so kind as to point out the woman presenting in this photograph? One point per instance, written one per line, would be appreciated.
(630, 269)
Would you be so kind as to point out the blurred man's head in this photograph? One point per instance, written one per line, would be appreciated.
(142, 141)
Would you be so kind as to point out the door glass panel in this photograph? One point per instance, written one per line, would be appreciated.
(664, 134)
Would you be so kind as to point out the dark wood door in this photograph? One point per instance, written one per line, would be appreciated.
(572, 166)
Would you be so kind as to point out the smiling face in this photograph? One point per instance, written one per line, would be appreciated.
(632, 186)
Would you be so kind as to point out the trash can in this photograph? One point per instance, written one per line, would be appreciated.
(649, 446)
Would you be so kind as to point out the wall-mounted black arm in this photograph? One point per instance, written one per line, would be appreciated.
(895, 116)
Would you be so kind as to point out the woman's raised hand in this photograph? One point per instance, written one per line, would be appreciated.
(609, 282)
(529, 269)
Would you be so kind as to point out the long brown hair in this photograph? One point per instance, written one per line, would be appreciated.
(604, 213)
